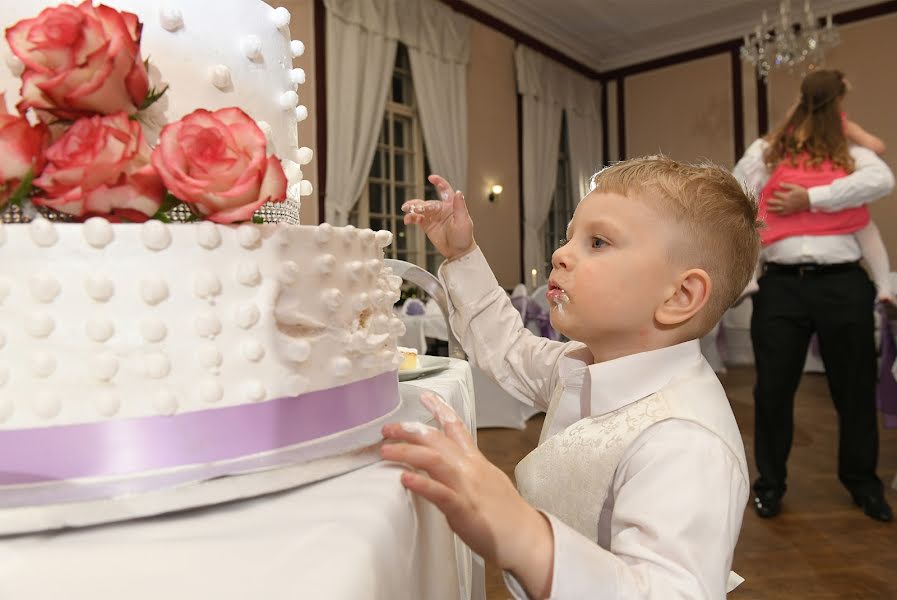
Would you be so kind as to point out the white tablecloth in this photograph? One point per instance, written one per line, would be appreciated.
(359, 535)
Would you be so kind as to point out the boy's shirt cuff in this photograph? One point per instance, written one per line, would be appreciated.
(468, 279)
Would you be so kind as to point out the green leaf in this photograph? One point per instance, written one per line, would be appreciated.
(24, 189)
(258, 220)
(151, 97)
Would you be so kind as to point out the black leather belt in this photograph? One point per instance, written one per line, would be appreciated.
(810, 268)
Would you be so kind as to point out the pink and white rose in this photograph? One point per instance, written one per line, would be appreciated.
(101, 166)
(22, 147)
(217, 162)
(79, 61)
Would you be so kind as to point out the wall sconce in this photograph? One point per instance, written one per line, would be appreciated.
(494, 192)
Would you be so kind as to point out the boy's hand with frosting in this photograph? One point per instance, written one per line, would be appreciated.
(480, 502)
(446, 221)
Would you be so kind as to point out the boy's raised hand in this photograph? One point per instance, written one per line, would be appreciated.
(478, 500)
(446, 221)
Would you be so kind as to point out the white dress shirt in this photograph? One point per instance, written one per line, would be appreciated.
(671, 519)
(870, 180)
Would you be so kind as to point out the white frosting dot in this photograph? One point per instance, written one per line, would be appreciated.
(221, 77)
(208, 236)
(209, 356)
(100, 330)
(291, 169)
(153, 330)
(355, 269)
(15, 64)
(280, 16)
(103, 367)
(248, 273)
(373, 266)
(362, 301)
(39, 324)
(43, 232)
(211, 391)
(394, 282)
(325, 264)
(98, 232)
(252, 351)
(165, 403)
(207, 325)
(155, 235)
(6, 407)
(367, 236)
(44, 288)
(380, 323)
(288, 100)
(288, 273)
(249, 236)
(297, 48)
(247, 316)
(305, 155)
(46, 405)
(171, 19)
(252, 47)
(42, 364)
(5, 287)
(332, 298)
(305, 188)
(153, 290)
(107, 404)
(297, 76)
(99, 287)
(301, 113)
(341, 366)
(384, 238)
(396, 327)
(156, 366)
(299, 351)
(254, 391)
(323, 233)
(206, 285)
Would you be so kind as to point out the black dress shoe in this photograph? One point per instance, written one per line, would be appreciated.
(767, 504)
(875, 507)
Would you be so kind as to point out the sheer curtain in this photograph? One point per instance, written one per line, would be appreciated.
(549, 89)
(362, 37)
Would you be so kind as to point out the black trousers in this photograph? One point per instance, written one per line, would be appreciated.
(838, 306)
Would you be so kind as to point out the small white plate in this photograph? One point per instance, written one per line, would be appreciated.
(428, 364)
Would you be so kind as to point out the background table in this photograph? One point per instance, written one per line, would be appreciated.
(359, 535)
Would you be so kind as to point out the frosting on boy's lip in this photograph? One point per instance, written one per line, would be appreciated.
(555, 292)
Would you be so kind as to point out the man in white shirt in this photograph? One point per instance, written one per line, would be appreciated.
(814, 283)
(638, 485)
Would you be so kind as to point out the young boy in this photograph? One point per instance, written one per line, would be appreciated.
(639, 451)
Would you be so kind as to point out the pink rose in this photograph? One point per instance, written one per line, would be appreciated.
(101, 166)
(22, 148)
(80, 60)
(217, 162)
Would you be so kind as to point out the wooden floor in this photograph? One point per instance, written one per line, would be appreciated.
(821, 547)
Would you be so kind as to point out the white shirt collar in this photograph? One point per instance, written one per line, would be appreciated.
(608, 386)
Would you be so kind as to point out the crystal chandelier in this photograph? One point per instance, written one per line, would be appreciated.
(791, 42)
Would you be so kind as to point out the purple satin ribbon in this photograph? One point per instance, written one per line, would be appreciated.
(139, 445)
(887, 386)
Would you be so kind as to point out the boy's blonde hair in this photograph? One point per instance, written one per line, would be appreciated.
(719, 218)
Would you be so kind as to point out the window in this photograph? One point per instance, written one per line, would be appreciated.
(398, 173)
(562, 202)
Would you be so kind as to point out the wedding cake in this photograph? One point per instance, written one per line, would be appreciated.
(164, 319)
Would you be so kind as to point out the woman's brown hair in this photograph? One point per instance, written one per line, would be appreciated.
(814, 128)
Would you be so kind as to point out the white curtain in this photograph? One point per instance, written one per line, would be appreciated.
(584, 137)
(362, 37)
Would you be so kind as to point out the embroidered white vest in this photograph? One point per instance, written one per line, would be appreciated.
(570, 473)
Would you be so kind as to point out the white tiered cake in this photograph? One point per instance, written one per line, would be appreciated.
(138, 353)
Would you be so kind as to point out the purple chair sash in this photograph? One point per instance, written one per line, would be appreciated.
(414, 307)
(887, 385)
(531, 312)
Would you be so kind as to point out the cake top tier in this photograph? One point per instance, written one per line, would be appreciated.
(157, 62)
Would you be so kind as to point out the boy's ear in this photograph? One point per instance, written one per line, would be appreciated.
(688, 297)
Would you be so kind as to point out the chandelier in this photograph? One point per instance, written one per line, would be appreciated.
(791, 42)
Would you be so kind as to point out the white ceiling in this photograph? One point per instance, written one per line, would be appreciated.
(606, 34)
